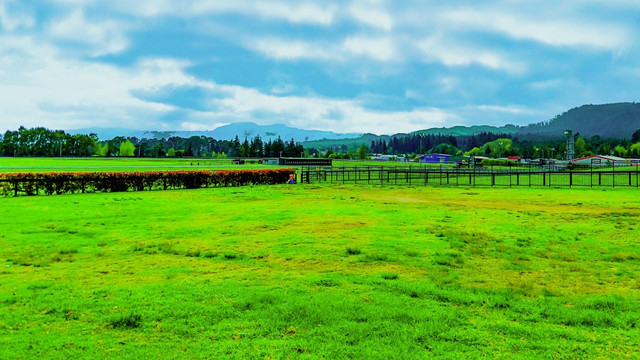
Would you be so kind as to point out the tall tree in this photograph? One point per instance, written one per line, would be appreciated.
(362, 152)
(127, 148)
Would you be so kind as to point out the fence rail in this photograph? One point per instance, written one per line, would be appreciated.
(521, 177)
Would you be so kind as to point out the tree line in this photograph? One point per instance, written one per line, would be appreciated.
(50, 143)
(504, 145)
(42, 142)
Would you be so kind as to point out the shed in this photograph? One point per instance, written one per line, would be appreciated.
(436, 158)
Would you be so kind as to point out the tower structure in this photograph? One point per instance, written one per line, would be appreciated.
(571, 145)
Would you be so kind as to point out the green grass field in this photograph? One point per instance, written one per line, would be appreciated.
(116, 164)
(330, 272)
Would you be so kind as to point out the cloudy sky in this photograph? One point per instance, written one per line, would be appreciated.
(348, 66)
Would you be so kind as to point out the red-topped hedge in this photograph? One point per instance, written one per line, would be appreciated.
(72, 182)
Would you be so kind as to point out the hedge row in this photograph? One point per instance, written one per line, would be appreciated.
(74, 182)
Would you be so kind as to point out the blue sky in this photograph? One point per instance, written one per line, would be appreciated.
(347, 66)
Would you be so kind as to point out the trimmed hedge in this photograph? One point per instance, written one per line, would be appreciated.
(81, 182)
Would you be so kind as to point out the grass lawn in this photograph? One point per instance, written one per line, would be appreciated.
(118, 164)
(322, 271)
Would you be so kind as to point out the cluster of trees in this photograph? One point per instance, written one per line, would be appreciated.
(44, 142)
(202, 146)
(361, 153)
(423, 143)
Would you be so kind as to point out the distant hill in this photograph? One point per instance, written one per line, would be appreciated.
(350, 144)
(226, 132)
(266, 132)
(469, 130)
(619, 120)
(608, 121)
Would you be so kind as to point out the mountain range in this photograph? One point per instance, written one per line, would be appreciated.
(226, 132)
(618, 120)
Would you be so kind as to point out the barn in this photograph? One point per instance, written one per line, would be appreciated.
(436, 158)
(601, 160)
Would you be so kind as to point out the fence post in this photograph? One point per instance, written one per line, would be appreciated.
(474, 174)
(570, 178)
(599, 178)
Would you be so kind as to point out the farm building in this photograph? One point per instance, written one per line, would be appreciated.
(436, 158)
(604, 160)
(380, 157)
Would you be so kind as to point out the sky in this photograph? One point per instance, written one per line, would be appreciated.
(365, 66)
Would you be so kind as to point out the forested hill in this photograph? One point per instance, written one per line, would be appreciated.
(609, 121)
(619, 120)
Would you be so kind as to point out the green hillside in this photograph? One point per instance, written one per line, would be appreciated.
(350, 144)
(619, 120)
(469, 130)
(608, 121)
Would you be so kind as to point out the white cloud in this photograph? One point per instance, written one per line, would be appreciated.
(450, 53)
(381, 49)
(104, 37)
(378, 49)
(297, 12)
(318, 113)
(353, 41)
(282, 49)
(553, 31)
(72, 93)
(40, 84)
(367, 13)
(511, 109)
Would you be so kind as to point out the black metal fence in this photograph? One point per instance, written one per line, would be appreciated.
(512, 177)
